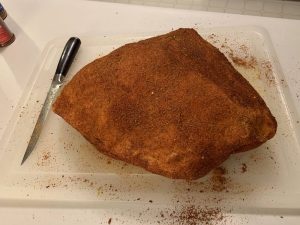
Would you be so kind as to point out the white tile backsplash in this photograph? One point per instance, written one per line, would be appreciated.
(151, 3)
(272, 14)
(253, 13)
(291, 9)
(269, 8)
(166, 1)
(122, 1)
(201, 2)
(218, 3)
(199, 7)
(215, 9)
(236, 4)
(136, 2)
(233, 11)
(183, 2)
(166, 4)
(254, 5)
(288, 16)
(273, 7)
(183, 6)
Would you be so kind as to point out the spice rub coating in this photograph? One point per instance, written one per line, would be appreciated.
(172, 104)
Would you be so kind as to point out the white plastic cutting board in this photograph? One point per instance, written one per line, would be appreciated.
(66, 170)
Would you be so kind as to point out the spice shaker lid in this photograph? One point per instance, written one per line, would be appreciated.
(3, 13)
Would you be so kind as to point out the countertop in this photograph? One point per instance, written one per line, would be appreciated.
(37, 22)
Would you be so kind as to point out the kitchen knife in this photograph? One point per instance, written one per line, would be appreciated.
(63, 66)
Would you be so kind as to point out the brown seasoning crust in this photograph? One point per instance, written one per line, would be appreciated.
(172, 104)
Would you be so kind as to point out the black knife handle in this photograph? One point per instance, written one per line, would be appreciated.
(67, 57)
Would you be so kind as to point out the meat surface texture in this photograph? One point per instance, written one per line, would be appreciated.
(172, 104)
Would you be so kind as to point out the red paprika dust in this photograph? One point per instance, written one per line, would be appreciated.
(6, 36)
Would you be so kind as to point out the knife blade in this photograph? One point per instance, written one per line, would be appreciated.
(65, 61)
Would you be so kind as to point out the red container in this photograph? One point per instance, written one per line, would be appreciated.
(6, 36)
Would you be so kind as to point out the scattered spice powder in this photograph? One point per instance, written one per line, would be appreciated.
(191, 215)
(246, 62)
(218, 180)
(267, 71)
(45, 159)
(244, 48)
(242, 57)
(244, 168)
(46, 156)
(211, 36)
